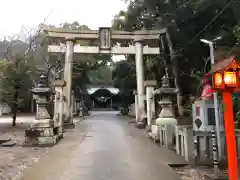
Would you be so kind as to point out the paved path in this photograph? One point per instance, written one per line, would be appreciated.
(107, 148)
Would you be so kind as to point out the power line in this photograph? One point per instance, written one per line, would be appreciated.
(213, 19)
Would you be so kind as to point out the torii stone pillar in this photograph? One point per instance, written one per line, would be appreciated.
(68, 120)
(150, 84)
(140, 80)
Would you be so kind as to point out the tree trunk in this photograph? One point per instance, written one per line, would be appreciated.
(15, 106)
(163, 51)
(175, 74)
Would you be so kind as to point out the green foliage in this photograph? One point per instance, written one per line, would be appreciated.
(15, 73)
(85, 65)
(125, 79)
(101, 76)
(124, 75)
(187, 22)
(237, 32)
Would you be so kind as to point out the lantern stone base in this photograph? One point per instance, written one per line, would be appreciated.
(75, 114)
(68, 125)
(140, 125)
(148, 128)
(43, 136)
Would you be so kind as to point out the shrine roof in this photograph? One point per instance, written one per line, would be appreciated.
(224, 64)
(92, 90)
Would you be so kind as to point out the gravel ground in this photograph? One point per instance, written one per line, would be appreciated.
(13, 160)
(188, 173)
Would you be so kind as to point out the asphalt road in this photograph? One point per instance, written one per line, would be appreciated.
(105, 147)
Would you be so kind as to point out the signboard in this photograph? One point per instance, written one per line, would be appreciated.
(105, 38)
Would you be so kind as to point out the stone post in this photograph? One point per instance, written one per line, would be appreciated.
(61, 109)
(73, 107)
(78, 107)
(81, 109)
(140, 81)
(68, 121)
(136, 106)
(43, 131)
(56, 106)
(59, 106)
(150, 101)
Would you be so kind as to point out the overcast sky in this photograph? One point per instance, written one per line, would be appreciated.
(16, 14)
(29, 13)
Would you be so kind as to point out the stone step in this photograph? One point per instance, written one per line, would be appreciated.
(8, 144)
(4, 140)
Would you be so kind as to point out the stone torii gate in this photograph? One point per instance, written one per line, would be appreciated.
(104, 38)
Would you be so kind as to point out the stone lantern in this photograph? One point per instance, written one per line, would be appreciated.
(42, 132)
(166, 115)
(165, 124)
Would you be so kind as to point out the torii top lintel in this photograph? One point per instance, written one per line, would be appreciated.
(225, 64)
(63, 33)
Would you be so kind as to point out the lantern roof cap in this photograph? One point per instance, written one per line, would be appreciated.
(227, 63)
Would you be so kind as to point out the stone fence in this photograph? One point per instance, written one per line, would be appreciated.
(191, 142)
(202, 154)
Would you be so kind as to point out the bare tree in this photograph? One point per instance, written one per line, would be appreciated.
(16, 58)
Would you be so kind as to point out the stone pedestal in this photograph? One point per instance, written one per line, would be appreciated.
(43, 131)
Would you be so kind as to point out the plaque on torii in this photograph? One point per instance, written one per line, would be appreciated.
(104, 38)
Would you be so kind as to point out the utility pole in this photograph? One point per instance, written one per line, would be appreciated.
(215, 100)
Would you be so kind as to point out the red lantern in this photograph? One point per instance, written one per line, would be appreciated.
(230, 79)
(218, 80)
(225, 75)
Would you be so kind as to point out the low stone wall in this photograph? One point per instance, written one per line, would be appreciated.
(185, 148)
(166, 136)
(184, 142)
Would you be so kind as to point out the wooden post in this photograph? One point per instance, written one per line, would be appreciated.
(230, 136)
